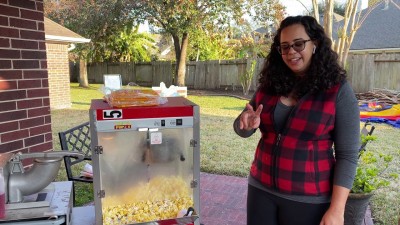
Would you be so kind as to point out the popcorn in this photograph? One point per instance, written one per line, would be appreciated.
(160, 198)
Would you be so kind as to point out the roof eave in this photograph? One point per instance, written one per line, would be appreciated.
(378, 50)
(66, 39)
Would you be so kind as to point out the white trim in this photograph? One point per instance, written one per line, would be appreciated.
(378, 50)
(66, 39)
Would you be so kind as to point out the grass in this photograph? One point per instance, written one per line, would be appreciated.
(223, 152)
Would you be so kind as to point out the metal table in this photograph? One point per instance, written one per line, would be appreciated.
(83, 215)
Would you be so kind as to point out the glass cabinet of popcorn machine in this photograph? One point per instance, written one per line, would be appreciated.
(146, 163)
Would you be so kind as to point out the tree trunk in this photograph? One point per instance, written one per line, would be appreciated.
(316, 12)
(182, 60)
(83, 76)
(328, 17)
(177, 47)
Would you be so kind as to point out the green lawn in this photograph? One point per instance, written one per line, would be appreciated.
(223, 152)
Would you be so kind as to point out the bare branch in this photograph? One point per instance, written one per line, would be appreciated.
(305, 6)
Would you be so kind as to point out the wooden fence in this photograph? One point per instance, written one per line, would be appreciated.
(366, 72)
(370, 71)
(216, 74)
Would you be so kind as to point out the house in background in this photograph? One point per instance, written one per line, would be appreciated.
(58, 39)
(374, 56)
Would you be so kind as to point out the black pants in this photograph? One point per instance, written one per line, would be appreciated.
(264, 208)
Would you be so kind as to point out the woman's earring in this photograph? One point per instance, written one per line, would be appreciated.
(313, 51)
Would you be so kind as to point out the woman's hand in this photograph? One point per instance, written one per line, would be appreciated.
(333, 217)
(335, 214)
(250, 119)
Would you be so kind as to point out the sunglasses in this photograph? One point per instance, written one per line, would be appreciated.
(298, 46)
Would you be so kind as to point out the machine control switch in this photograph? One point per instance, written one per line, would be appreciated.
(179, 122)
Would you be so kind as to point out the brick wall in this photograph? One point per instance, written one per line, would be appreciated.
(25, 121)
(58, 69)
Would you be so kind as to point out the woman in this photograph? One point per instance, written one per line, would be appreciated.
(302, 107)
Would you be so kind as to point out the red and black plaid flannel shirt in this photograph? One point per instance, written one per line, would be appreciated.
(300, 159)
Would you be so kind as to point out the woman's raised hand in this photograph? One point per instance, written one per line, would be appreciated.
(250, 119)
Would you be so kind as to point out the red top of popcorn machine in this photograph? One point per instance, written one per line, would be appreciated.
(174, 107)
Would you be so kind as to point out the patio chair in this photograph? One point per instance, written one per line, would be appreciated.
(76, 139)
(367, 130)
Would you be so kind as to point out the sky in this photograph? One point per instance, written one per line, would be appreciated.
(294, 8)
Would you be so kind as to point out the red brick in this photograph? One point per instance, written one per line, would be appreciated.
(47, 119)
(14, 115)
(10, 74)
(26, 64)
(8, 106)
(44, 92)
(4, 1)
(10, 54)
(39, 6)
(42, 45)
(29, 103)
(23, 4)
(40, 26)
(43, 64)
(12, 146)
(32, 35)
(45, 83)
(9, 126)
(30, 74)
(9, 32)
(4, 21)
(27, 84)
(9, 11)
(12, 95)
(5, 64)
(28, 14)
(46, 101)
(34, 122)
(21, 23)
(41, 147)
(26, 162)
(33, 140)
(14, 135)
(33, 54)
(4, 42)
(38, 112)
(48, 137)
(7, 85)
(40, 130)
(24, 44)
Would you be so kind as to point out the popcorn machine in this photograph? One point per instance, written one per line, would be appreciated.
(146, 163)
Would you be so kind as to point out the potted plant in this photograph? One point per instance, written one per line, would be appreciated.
(370, 176)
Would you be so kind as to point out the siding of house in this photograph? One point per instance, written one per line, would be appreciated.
(25, 121)
(58, 65)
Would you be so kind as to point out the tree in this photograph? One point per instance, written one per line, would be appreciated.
(351, 23)
(183, 17)
(355, 20)
(131, 46)
(100, 20)
(247, 77)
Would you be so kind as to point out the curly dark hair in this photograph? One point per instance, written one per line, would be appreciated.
(276, 78)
